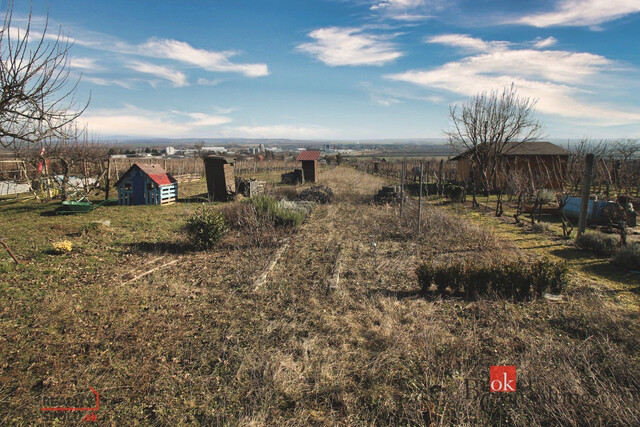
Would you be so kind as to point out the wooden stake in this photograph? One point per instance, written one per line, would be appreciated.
(337, 268)
(420, 201)
(106, 194)
(402, 173)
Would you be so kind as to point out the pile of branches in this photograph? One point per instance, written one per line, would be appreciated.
(317, 193)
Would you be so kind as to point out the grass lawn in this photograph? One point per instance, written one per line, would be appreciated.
(196, 342)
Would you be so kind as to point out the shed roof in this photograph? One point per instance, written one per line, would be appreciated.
(308, 155)
(153, 171)
(531, 148)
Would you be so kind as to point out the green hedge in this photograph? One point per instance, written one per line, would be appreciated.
(516, 279)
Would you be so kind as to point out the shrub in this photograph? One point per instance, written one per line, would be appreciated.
(628, 257)
(456, 193)
(540, 227)
(288, 217)
(265, 204)
(598, 243)
(206, 227)
(546, 196)
(550, 276)
(317, 193)
(288, 214)
(515, 279)
(426, 274)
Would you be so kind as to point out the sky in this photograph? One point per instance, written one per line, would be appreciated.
(344, 69)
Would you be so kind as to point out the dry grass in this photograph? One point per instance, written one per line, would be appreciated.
(195, 344)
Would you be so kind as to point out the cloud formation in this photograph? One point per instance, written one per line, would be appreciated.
(205, 59)
(132, 121)
(177, 78)
(560, 80)
(349, 46)
(404, 10)
(542, 43)
(581, 13)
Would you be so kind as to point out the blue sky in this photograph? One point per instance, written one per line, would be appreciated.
(346, 69)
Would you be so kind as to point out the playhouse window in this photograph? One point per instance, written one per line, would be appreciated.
(127, 187)
(149, 186)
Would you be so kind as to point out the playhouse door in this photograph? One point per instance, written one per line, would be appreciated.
(138, 189)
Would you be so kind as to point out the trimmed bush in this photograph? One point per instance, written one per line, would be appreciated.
(515, 279)
(456, 193)
(426, 273)
(550, 276)
(598, 243)
(628, 257)
(206, 227)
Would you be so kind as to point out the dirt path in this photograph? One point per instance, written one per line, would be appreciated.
(345, 228)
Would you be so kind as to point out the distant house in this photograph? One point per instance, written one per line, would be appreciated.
(538, 158)
(146, 184)
(309, 161)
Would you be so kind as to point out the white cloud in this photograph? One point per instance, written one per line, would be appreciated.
(205, 59)
(581, 13)
(397, 4)
(542, 43)
(132, 121)
(349, 46)
(108, 82)
(209, 82)
(407, 10)
(85, 64)
(560, 80)
(178, 78)
(467, 42)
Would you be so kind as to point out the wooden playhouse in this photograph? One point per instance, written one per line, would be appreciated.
(147, 184)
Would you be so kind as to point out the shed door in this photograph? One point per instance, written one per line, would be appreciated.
(138, 188)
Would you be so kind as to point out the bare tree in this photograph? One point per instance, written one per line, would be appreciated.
(72, 156)
(38, 99)
(625, 169)
(488, 125)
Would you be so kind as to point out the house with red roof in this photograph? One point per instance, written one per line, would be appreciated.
(146, 184)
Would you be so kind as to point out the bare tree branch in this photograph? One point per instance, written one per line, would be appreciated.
(38, 100)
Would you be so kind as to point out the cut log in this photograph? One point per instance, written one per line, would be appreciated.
(263, 277)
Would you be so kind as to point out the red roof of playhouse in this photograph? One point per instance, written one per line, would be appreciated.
(308, 155)
(155, 172)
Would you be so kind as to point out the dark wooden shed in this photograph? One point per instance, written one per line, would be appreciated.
(221, 183)
(146, 184)
(309, 161)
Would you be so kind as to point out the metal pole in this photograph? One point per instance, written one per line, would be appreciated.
(586, 191)
(420, 201)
